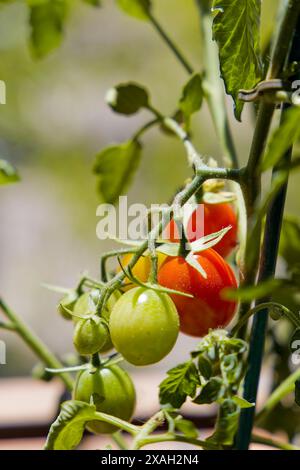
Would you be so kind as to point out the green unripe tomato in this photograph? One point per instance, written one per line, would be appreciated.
(86, 304)
(144, 326)
(90, 335)
(111, 390)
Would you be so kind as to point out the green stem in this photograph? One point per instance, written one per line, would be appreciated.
(170, 43)
(252, 311)
(284, 389)
(35, 344)
(153, 423)
(120, 423)
(119, 440)
(168, 437)
(213, 87)
(7, 326)
(273, 442)
(145, 128)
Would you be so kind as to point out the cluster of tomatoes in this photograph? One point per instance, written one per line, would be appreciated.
(143, 324)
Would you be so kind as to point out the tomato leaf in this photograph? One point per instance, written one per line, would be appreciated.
(67, 430)
(115, 166)
(227, 424)
(249, 293)
(182, 381)
(192, 96)
(212, 391)
(236, 30)
(47, 20)
(242, 403)
(8, 173)
(186, 427)
(137, 8)
(205, 366)
(283, 138)
(127, 98)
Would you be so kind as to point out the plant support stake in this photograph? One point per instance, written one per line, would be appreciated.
(266, 271)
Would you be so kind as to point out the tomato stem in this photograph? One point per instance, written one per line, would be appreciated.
(35, 344)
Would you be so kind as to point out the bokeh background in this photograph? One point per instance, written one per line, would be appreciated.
(54, 123)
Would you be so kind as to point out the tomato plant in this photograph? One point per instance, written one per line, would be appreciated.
(164, 286)
(207, 309)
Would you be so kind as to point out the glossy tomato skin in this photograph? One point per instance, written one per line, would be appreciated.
(141, 269)
(206, 309)
(115, 385)
(216, 217)
(144, 326)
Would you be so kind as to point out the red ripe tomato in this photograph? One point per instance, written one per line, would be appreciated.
(216, 217)
(207, 309)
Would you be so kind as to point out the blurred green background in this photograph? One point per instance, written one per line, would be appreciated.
(54, 123)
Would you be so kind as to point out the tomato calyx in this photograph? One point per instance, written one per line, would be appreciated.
(149, 285)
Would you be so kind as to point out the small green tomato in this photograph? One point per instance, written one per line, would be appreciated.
(111, 390)
(90, 335)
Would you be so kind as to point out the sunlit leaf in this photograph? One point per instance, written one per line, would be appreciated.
(236, 30)
(135, 8)
(182, 381)
(47, 18)
(115, 166)
(67, 430)
(192, 96)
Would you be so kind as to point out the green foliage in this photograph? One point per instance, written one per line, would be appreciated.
(186, 427)
(8, 173)
(182, 381)
(67, 430)
(115, 166)
(127, 98)
(216, 373)
(283, 138)
(227, 424)
(236, 30)
(137, 8)
(212, 391)
(192, 96)
(47, 20)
